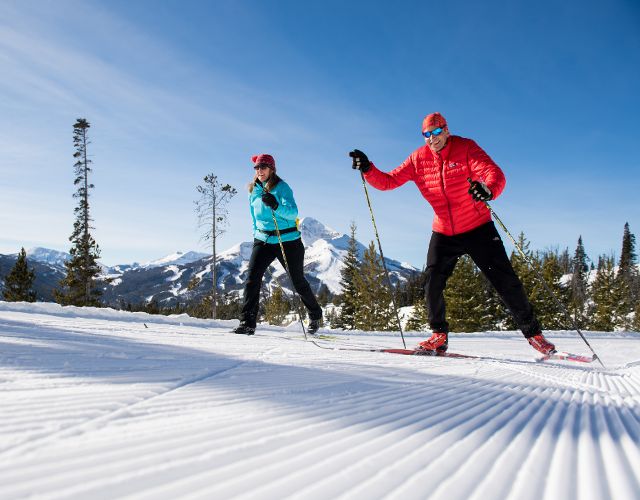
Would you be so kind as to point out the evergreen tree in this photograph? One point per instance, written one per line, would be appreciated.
(565, 261)
(276, 307)
(603, 314)
(374, 310)
(412, 291)
(230, 306)
(547, 311)
(419, 320)
(330, 317)
(324, 295)
(349, 297)
(212, 212)
(80, 286)
(464, 296)
(525, 273)
(628, 277)
(636, 318)
(578, 286)
(19, 282)
(494, 314)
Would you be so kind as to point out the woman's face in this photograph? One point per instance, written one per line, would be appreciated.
(263, 172)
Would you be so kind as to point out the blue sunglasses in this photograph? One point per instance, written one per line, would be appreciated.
(435, 132)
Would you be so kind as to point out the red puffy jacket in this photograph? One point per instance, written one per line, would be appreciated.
(442, 179)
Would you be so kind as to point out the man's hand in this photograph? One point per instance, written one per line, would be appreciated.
(360, 160)
(479, 191)
(269, 200)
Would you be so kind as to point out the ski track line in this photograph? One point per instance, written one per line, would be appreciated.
(376, 480)
(473, 433)
(188, 469)
(168, 448)
(485, 446)
(304, 464)
(34, 444)
(431, 463)
(559, 380)
(628, 485)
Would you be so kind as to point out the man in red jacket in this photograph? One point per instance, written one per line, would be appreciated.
(462, 223)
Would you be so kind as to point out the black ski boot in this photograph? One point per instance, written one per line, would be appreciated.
(313, 327)
(244, 329)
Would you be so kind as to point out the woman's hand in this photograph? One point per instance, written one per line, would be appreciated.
(269, 200)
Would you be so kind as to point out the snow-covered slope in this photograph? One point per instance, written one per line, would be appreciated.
(48, 256)
(105, 404)
(176, 259)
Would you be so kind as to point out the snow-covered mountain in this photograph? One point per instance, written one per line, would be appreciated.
(175, 259)
(47, 256)
(166, 280)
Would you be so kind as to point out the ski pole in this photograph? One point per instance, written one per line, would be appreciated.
(541, 278)
(286, 266)
(375, 229)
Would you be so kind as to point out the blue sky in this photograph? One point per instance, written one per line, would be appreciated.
(177, 89)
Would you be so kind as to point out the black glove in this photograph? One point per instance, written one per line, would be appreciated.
(360, 160)
(269, 200)
(479, 191)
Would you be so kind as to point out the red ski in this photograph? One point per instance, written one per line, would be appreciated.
(567, 356)
(422, 352)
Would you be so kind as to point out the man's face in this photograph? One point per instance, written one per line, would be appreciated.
(437, 137)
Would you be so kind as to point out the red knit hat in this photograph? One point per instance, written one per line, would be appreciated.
(433, 120)
(264, 159)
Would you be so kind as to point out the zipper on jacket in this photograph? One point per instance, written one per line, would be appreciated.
(444, 193)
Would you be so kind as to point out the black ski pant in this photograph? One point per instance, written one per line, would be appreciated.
(484, 246)
(262, 256)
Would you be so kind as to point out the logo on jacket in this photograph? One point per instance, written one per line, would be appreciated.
(453, 164)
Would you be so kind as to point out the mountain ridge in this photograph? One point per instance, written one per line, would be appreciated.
(170, 279)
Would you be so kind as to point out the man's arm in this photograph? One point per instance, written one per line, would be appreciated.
(485, 169)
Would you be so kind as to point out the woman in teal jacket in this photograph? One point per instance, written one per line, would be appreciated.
(270, 196)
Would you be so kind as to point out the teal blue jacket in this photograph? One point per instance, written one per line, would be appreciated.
(262, 215)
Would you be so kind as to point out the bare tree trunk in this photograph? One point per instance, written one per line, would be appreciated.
(214, 297)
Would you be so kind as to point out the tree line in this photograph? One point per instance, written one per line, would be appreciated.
(598, 296)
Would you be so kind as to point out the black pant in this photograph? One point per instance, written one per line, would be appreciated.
(262, 256)
(484, 246)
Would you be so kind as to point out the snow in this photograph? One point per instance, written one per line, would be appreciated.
(98, 403)
(177, 258)
(48, 256)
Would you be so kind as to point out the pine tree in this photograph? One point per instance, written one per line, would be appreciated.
(636, 318)
(419, 320)
(578, 286)
(374, 311)
(565, 261)
(524, 272)
(412, 291)
(324, 295)
(212, 212)
(349, 298)
(547, 311)
(19, 282)
(464, 296)
(330, 318)
(603, 312)
(276, 307)
(494, 314)
(80, 286)
(628, 278)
